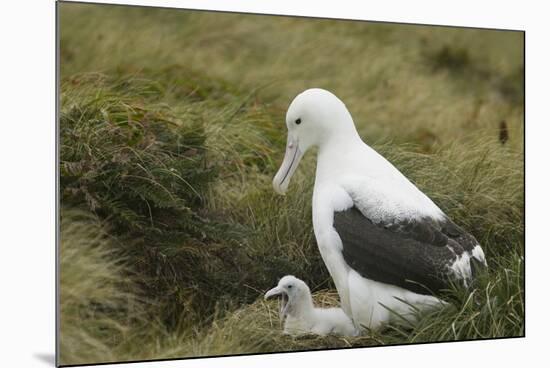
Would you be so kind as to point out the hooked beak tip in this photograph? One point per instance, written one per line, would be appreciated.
(279, 189)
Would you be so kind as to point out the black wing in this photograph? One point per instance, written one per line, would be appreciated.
(414, 254)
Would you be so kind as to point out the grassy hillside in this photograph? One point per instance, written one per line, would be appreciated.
(172, 127)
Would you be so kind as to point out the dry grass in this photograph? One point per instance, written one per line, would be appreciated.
(96, 295)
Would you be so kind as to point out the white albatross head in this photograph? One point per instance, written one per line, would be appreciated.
(294, 293)
(314, 118)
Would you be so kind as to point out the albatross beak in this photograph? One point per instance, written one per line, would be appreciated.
(289, 165)
(284, 304)
(276, 291)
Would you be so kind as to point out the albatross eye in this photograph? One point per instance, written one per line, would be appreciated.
(289, 286)
(298, 121)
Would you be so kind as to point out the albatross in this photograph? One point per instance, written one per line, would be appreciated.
(300, 315)
(388, 248)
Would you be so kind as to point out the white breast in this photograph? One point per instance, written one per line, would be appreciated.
(322, 321)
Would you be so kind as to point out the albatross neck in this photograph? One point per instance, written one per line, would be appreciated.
(303, 308)
(339, 144)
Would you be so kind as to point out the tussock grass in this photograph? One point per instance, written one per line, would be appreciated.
(385, 74)
(172, 127)
(98, 304)
(137, 166)
(479, 184)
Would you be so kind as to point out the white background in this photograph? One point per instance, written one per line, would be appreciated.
(27, 181)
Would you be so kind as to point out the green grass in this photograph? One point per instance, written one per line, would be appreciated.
(172, 127)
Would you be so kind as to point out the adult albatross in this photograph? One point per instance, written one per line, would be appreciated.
(386, 245)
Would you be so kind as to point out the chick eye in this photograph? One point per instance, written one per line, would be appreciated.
(289, 286)
(298, 121)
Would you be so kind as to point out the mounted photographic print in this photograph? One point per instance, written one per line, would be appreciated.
(235, 183)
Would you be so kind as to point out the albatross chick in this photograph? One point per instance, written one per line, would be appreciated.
(301, 316)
